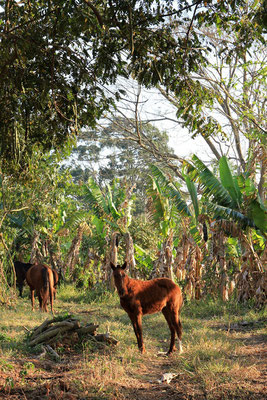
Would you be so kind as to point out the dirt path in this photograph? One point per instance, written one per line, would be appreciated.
(185, 387)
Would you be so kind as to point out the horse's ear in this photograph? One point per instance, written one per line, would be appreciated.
(112, 266)
(124, 265)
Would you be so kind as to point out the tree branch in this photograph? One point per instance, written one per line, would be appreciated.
(96, 12)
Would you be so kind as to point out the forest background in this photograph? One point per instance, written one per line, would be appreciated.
(89, 92)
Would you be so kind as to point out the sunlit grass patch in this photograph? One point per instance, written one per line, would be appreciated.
(217, 361)
(97, 295)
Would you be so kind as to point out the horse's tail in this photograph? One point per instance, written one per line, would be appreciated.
(51, 289)
(45, 278)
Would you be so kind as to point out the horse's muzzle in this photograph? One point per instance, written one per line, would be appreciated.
(121, 292)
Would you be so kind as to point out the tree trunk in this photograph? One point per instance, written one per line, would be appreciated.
(182, 253)
(36, 256)
(263, 172)
(73, 254)
(252, 278)
(198, 273)
(111, 256)
(223, 267)
(189, 273)
(129, 257)
(166, 264)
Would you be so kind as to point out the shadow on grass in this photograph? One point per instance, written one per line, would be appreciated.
(8, 344)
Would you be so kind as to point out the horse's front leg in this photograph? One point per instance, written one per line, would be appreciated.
(20, 290)
(32, 298)
(137, 325)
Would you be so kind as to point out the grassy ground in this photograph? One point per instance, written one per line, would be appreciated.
(224, 354)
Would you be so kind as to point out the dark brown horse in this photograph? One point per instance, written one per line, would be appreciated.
(138, 298)
(21, 269)
(41, 278)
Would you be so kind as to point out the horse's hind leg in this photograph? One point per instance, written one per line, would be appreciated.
(32, 298)
(45, 305)
(178, 328)
(167, 314)
(40, 301)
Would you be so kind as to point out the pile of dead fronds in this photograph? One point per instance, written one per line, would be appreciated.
(65, 330)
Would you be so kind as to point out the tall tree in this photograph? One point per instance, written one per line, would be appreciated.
(56, 57)
(111, 152)
(223, 101)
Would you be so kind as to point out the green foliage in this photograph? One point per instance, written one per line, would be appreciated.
(258, 213)
(37, 200)
(125, 159)
(108, 205)
(212, 187)
(229, 182)
(193, 194)
(163, 183)
(5, 338)
(97, 201)
(54, 84)
(231, 197)
(144, 262)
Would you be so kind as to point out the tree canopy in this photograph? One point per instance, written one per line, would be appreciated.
(56, 59)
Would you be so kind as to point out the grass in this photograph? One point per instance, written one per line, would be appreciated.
(218, 362)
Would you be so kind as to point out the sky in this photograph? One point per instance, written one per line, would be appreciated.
(155, 108)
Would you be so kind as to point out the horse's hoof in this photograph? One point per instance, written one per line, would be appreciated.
(171, 351)
(180, 347)
(142, 350)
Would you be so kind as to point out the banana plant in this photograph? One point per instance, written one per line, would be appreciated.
(180, 208)
(168, 206)
(106, 204)
(231, 197)
(112, 210)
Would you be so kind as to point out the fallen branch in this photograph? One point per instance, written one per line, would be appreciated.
(47, 335)
(52, 352)
(89, 328)
(105, 337)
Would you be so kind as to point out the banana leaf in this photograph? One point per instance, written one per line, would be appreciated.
(172, 191)
(258, 215)
(212, 187)
(229, 182)
(227, 213)
(193, 193)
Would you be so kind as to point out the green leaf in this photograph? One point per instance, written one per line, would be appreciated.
(259, 215)
(246, 186)
(95, 198)
(212, 187)
(229, 182)
(228, 213)
(172, 191)
(99, 225)
(112, 208)
(193, 193)
(195, 234)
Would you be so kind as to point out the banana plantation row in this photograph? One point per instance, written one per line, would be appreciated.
(209, 242)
